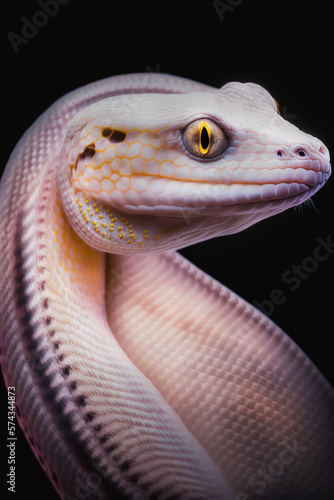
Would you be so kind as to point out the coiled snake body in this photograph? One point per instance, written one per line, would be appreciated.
(136, 375)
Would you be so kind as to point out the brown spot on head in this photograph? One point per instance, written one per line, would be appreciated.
(117, 136)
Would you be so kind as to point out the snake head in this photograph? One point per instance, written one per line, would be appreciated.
(151, 172)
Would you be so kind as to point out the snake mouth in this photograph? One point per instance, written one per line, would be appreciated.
(154, 229)
(179, 215)
(179, 198)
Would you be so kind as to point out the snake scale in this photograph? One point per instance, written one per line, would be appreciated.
(138, 376)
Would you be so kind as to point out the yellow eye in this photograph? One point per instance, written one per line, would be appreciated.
(205, 139)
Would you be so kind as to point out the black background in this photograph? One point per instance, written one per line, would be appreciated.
(285, 46)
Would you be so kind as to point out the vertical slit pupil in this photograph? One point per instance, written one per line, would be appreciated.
(204, 138)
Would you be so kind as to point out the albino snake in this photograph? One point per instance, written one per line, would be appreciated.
(136, 375)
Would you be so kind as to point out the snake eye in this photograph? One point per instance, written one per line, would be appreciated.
(205, 139)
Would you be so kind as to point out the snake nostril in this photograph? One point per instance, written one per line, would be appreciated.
(282, 153)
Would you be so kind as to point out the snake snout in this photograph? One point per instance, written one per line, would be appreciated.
(310, 161)
(317, 152)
